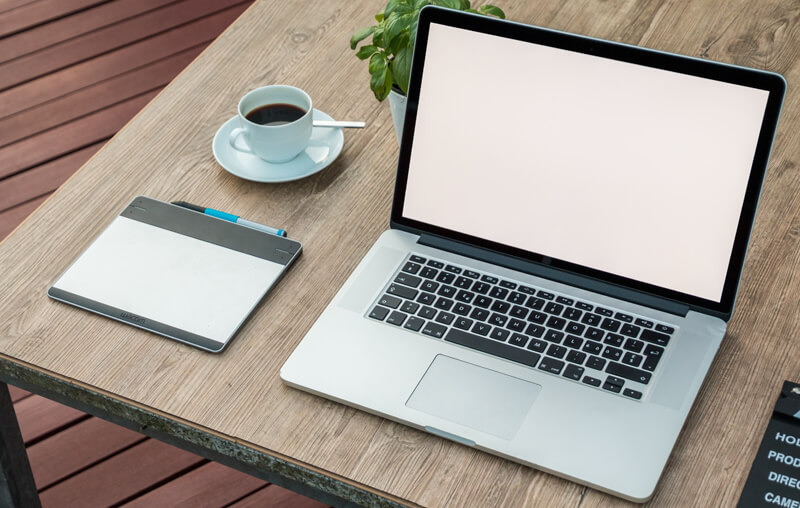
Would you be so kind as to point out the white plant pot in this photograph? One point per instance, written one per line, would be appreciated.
(397, 103)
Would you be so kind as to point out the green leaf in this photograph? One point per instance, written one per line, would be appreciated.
(377, 37)
(381, 82)
(412, 32)
(473, 11)
(493, 10)
(465, 5)
(401, 68)
(365, 52)
(396, 25)
(360, 35)
(377, 62)
(379, 17)
(396, 7)
(450, 4)
(419, 4)
(399, 42)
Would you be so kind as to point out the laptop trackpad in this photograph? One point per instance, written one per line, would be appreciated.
(473, 396)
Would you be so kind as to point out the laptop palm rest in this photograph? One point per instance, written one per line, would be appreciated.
(467, 394)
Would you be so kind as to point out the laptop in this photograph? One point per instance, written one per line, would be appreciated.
(568, 229)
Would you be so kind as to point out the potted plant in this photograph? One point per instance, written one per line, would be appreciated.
(392, 45)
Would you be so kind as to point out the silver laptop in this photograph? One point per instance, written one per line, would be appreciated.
(569, 226)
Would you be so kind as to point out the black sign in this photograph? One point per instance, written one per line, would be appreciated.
(775, 475)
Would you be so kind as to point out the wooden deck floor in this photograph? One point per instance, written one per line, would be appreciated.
(72, 73)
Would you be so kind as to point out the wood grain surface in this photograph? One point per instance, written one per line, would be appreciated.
(337, 214)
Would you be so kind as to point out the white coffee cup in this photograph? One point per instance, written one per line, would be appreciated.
(276, 142)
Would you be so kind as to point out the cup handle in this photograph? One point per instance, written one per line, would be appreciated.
(234, 137)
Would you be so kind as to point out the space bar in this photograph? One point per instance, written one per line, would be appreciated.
(492, 347)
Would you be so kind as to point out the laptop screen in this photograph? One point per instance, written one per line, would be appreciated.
(626, 169)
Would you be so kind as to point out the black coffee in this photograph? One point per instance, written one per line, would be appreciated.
(275, 114)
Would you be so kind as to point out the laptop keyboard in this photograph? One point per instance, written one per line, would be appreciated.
(591, 344)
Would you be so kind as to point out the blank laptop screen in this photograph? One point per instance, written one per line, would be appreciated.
(623, 168)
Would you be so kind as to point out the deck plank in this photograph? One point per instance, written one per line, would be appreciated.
(67, 138)
(116, 62)
(11, 218)
(39, 417)
(32, 14)
(121, 477)
(273, 496)
(94, 98)
(77, 24)
(100, 41)
(17, 393)
(208, 486)
(62, 454)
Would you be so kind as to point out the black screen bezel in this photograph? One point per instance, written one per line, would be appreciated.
(771, 82)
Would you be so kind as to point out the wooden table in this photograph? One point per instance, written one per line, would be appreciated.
(234, 408)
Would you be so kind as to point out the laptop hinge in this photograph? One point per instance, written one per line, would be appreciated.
(555, 274)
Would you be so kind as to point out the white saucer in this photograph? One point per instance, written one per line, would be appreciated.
(325, 145)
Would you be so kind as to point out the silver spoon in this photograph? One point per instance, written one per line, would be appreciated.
(336, 124)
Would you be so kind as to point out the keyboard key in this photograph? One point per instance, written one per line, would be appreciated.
(463, 323)
(518, 312)
(501, 306)
(445, 277)
(584, 306)
(537, 317)
(414, 323)
(428, 272)
(612, 325)
(445, 318)
(410, 307)
(624, 371)
(623, 317)
(517, 298)
(390, 301)
(652, 350)
(462, 309)
(518, 340)
(576, 357)
(471, 274)
(655, 337)
(426, 298)
(556, 351)
(650, 363)
(612, 353)
(396, 318)
(665, 329)
(545, 295)
(435, 264)
(572, 313)
(611, 387)
(481, 288)
(556, 323)
(465, 296)
(595, 362)
(632, 393)
(591, 381)
(603, 312)
(527, 290)
(479, 314)
(634, 345)
(508, 284)
(492, 347)
(453, 269)
(490, 279)
(613, 339)
(411, 267)
(644, 322)
(379, 313)
(429, 286)
(443, 303)
(630, 330)
(594, 333)
(483, 301)
(573, 342)
(417, 259)
(575, 328)
(553, 336)
(500, 334)
(565, 300)
(592, 347)
(434, 330)
(591, 319)
(551, 365)
(498, 292)
(481, 328)
(554, 308)
(402, 291)
(535, 330)
(463, 283)
(632, 359)
(498, 319)
(427, 312)
(516, 324)
(535, 303)
(573, 372)
(537, 345)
